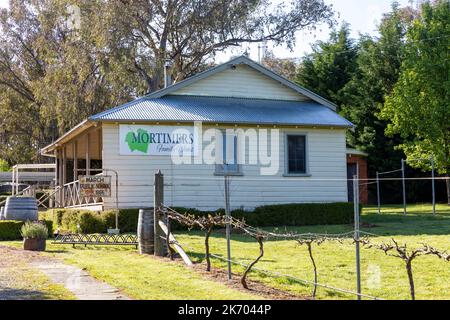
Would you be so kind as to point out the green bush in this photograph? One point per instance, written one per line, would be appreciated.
(91, 222)
(296, 214)
(128, 219)
(265, 216)
(299, 214)
(10, 230)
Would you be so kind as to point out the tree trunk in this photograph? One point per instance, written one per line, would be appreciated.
(315, 270)
(250, 266)
(411, 279)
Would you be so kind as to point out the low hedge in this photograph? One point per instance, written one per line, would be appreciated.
(10, 229)
(266, 216)
(85, 221)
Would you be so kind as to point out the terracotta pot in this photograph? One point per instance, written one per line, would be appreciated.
(34, 244)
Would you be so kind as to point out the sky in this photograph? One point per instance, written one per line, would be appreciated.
(363, 16)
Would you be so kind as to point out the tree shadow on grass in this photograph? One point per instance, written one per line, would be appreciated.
(22, 294)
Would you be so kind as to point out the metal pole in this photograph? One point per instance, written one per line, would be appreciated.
(403, 186)
(17, 181)
(432, 185)
(356, 218)
(13, 178)
(228, 227)
(378, 193)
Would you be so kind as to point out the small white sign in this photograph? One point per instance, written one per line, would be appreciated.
(95, 186)
(157, 140)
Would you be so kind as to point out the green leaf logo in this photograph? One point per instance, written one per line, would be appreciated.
(138, 140)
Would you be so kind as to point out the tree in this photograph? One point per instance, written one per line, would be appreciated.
(52, 75)
(419, 106)
(4, 166)
(331, 65)
(377, 69)
(63, 60)
(285, 67)
(188, 33)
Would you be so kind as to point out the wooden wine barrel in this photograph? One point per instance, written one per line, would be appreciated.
(21, 208)
(146, 232)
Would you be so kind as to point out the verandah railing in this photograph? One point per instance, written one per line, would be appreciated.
(72, 197)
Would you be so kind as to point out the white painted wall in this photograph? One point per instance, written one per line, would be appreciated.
(242, 82)
(196, 186)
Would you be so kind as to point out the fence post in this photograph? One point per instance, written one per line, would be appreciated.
(356, 235)
(228, 226)
(432, 185)
(158, 201)
(403, 186)
(378, 193)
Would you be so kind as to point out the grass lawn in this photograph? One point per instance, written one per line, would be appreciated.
(142, 277)
(147, 277)
(382, 276)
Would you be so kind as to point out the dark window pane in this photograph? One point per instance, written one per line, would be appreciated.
(296, 154)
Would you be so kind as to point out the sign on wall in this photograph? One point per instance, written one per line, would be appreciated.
(157, 140)
(95, 186)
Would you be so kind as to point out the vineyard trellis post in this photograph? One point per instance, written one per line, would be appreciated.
(378, 193)
(158, 202)
(432, 185)
(228, 221)
(403, 186)
(356, 235)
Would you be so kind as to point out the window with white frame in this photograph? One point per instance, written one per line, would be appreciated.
(296, 154)
(228, 161)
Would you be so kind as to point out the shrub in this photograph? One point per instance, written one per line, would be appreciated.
(128, 219)
(34, 230)
(69, 221)
(300, 214)
(91, 222)
(264, 216)
(10, 230)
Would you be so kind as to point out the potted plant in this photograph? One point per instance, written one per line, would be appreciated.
(34, 235)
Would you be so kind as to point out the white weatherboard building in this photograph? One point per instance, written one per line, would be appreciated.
(278, 141)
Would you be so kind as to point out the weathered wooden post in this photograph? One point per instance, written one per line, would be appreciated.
(158, 202)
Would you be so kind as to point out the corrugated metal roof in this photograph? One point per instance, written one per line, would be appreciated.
(224, 110)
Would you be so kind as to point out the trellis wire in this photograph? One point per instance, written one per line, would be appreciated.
(254, 232)
(281, 275)
(277, 274)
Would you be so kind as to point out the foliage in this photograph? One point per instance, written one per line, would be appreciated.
(190, 32)
(59, 66)
(377, 70)
(285, 67)
(34, 230)
(11, 230)
(70, 220)
(418, 108)
(331, 65)
(4, 166)
(299, 214)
